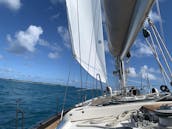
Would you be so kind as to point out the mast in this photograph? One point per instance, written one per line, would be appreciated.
(120, 66)
(123, 27)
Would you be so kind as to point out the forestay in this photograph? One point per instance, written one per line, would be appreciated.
(85, 25)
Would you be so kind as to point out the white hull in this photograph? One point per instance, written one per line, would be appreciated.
(110, 116)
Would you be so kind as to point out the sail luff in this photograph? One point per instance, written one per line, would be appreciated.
(87, 36)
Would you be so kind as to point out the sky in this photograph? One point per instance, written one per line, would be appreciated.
(35, 44)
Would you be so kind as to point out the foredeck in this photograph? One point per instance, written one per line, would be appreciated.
(153, 107)
(53, 125)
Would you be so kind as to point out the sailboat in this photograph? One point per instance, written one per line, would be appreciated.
(126, 108)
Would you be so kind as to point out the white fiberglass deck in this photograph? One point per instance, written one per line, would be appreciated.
(93, 117)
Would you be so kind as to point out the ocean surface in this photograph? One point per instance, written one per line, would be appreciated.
(37, 101)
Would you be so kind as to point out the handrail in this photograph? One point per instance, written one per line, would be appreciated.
(101, 85)
(19, 111)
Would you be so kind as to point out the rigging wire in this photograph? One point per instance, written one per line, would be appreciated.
(90, 49)
(68, 78)
(96, 34)
(137, 82)
(160, 23)
(66, 90)
(159, 46)
(153, 49)
(162, 41)
(79, 51)
(158, 60)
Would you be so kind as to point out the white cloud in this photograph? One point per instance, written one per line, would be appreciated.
(141, 49)
(25, 40)
(132, 72)
(53, 55)
(11, 4)
(43, 42)
(106, 46)
(53, 47)
(162, 0)
(152, 70)
(103, 14)
(64, 34)
(54, 2)
(6, 70)
(147, 73)
(154, 16)
(1, 57)
(55, 16)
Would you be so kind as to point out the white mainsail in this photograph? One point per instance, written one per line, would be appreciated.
(85, 24)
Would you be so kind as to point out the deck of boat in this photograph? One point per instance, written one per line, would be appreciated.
(51, 123)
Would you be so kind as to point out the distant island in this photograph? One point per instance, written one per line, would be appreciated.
(32, 82)
(43, 83)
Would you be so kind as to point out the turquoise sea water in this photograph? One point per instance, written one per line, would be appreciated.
(38, 101)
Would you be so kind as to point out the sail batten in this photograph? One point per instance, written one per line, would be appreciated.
(85, 23)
